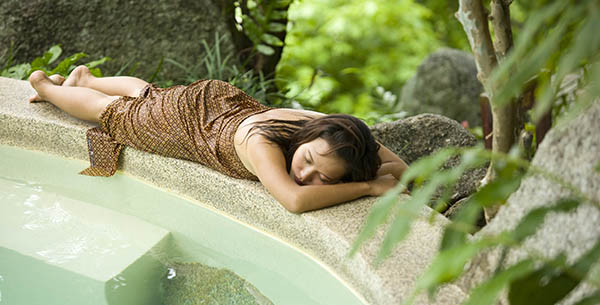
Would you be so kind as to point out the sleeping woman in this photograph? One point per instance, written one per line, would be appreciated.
(307, 160)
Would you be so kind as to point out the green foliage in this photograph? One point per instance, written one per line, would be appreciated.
(338, 53)
(557, 39)
(445, 25)
(260, 20)
(44, 63)
(216, 66)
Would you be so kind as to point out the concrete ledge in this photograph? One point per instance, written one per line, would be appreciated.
(326, 235)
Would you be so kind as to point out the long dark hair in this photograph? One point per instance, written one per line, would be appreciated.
(348, 137)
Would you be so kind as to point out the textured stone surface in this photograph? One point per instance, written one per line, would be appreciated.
(424, 134)
(445, 83)
(326, 235)
(196, 284)
(571, 153)
(130, 32)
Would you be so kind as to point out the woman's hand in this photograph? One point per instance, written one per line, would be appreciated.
(382, 184)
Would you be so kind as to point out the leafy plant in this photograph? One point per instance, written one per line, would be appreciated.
(22, 71)
(261, 20)
(339, 52)
(224, 68)
(557, 39)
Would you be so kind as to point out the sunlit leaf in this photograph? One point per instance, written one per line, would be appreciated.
(18, 72)
(487, 292)
(95, 63)
(65, 65)
(593, 299)
(279, 14)
(55, 52)
(424, 167)
(456, 233)
(276, 27)
(272, 40)
(378, 215)
(264, 49)
(530, 223)
(450, 263)
(407, 212)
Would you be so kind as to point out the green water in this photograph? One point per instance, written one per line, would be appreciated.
(283, 274)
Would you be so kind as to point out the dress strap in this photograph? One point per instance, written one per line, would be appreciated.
(103, 152)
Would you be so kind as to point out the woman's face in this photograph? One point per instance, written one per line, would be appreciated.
(312, 164)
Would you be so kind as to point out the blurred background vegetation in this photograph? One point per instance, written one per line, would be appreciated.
(355, 56)
(348, 56)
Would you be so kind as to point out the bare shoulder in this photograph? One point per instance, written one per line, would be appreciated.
(282, 114)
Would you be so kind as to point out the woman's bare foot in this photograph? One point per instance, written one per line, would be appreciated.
(56, 79)
(78, 77)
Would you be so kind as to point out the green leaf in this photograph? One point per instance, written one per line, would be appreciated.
(505, 71)
(456, 233)
(96, 72)
(282, 3)
(264, 49)
(377, 215)
(95, 63)
(54, 52)
(252, 30)
(593, 299)
(279, 15)
(530, 223)
(553, 281)
(275, 27)
(17, 72)
(64, 66)
(598, 167)
(272, 40)
(487, 292)
(424, 167)
(450, 263)
(406, 214)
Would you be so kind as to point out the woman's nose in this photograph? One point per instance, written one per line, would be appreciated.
(306, 175)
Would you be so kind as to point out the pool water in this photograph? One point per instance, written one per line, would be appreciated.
(72, 230)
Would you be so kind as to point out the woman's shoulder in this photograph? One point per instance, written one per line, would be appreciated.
(286, 114)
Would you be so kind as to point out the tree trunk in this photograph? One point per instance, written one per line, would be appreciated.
(474, 18)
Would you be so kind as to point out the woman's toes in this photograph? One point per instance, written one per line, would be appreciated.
(77, 77)
(57, 79)
(37, 79)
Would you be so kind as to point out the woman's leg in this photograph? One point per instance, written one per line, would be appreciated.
(57, 79)
(83, 103)
(115, 85)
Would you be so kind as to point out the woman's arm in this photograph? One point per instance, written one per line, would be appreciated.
(269, 166)
(390, 163)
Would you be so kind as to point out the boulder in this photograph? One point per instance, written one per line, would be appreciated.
(196, 283)
(137, 33)
(445, 83)
(424, 134)
(571, 153)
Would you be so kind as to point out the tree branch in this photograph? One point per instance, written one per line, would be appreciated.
(473, 17)
(500, 17)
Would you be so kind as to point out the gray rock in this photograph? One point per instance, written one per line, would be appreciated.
(196, 284)
(128, 31)
(445, 83)
(572, 154)
(424, 134)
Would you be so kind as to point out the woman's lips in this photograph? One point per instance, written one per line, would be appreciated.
(298, 180)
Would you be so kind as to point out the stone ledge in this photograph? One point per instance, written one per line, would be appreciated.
(326, 235)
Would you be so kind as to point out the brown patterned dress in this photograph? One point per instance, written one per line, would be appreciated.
(195, 122)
